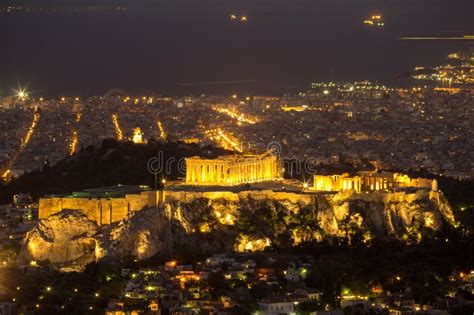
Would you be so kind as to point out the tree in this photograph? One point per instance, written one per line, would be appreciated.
(217, 284)
(307, 307)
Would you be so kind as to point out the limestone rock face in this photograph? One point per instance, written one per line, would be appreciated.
(69, 240)
(240, 223)
(64, 238)
(392, 214)
(380, 214)
(142, 236)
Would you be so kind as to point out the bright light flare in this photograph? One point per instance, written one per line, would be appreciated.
(21, 94)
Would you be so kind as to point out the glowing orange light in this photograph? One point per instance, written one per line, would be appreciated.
(118, 131)
(163, 134)
(73, 145)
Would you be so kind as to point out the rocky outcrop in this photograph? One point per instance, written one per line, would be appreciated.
(242, 223)
(67, 238)
(142, 236)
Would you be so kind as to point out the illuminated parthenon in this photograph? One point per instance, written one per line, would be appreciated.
(232, 169)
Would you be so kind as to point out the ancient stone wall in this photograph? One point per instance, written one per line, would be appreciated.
(106, 211)
(186, 196)
(101, 210)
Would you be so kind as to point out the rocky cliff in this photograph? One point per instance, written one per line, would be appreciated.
(244, 223)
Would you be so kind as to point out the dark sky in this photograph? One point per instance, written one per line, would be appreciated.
(155, 45)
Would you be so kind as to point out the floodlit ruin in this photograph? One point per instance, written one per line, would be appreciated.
(370, 181)
(232, 169)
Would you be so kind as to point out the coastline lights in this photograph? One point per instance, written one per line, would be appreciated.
(375, 20)
(242, 18)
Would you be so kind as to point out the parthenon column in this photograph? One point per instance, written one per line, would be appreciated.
(188, 174)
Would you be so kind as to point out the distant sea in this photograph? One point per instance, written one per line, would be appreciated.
(155, 46)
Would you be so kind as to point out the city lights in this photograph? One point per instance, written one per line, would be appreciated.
(21, 94)
(224, 139)
(73, 145)
(161, 128)
(118, 130)
(375, 20)
(31, 130)
(240, 117)
(24, 142)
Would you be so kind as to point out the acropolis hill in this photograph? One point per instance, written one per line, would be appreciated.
(231, 178)
(234, 220)
(254, 207)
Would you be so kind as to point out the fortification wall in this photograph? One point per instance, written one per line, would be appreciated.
(100, 210)
(106, 211)
(385, 197)
(90, 207)
(186, 196)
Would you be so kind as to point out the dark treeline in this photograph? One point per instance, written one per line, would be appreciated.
(111, 163)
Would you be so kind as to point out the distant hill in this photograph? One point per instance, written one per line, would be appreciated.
(111, 163)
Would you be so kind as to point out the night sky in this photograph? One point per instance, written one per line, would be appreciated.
(285, 45)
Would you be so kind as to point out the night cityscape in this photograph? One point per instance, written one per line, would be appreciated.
(230, 157)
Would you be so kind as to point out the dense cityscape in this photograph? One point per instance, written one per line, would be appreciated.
(396, 128)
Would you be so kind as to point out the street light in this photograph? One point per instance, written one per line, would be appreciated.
(21, 94)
